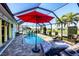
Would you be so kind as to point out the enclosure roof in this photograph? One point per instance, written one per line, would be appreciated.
(22, 8)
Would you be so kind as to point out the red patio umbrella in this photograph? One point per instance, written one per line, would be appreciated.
(35, 17)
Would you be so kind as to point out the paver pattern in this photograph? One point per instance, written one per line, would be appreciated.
(18, 48)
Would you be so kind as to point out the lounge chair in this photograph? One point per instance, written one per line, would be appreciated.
(54, 51)
(50, 50)
(57, 47)
(77, 51)
(72, 51)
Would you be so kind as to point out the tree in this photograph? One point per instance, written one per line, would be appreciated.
(68, 18)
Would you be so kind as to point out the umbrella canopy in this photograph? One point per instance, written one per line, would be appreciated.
(35, 17)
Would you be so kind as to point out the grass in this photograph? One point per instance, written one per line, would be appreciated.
(64, 31)
(78, 32)
(65, 38)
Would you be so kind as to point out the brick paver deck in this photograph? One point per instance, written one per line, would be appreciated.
(17, 48)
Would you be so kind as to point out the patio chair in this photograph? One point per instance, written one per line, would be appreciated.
(45, 46)
(72, 50)
(54, 51)
(69, 52)
(57, 47)
(49, 49)
(77, 51)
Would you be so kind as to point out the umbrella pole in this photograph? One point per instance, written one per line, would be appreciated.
(36, 37)
(36, 49)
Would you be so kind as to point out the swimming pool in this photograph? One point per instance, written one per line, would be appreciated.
(30, 39)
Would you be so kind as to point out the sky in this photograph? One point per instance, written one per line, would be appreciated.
(71, 7)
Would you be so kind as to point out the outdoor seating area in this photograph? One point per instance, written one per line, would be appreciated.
(39, 29)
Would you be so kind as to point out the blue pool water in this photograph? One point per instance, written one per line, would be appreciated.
(30, 39)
